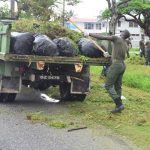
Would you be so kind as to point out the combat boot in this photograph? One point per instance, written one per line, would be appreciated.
(119, 106)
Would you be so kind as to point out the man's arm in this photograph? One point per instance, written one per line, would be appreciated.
(101, 37)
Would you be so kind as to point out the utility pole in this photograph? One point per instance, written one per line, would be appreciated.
(12, 8)
(63, 13)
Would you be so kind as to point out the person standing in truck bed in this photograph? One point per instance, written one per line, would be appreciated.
(116, 70)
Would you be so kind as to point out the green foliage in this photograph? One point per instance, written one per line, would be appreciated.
(51, 29)
(42, 117)
(72, 2)
(134, 50)
(83, 58)
(137, 80)
(4, 11)
(137, 76)
(136, 6)
(137, 60)
(57, 124)
(106, 14)
(138, 10)
(42, 10)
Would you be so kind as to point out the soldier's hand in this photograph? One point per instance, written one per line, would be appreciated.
(106, 54)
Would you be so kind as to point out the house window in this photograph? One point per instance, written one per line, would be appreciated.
(119, 23)
(98, 26)
(89, 26)
(133, 24)
(130, 24)
(103, 25)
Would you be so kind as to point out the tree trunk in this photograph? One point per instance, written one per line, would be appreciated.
(112, 24)
(147, 27)
(112, 5)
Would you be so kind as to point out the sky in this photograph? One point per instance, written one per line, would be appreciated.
(89, 8)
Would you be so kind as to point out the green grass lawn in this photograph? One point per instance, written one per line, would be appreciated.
(133, 122)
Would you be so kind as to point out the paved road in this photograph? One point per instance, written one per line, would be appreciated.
(17, 133)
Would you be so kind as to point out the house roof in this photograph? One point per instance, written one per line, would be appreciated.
(75, 19)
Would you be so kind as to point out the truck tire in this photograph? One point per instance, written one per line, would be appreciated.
(1, 97)
(78, 97)
(65, 94)
(8, 97)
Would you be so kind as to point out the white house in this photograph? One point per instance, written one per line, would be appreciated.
(95, 26)
(133, 28)
(90, 25)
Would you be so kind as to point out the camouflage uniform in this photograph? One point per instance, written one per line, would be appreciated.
(129, 46)
(142, 48)
(147, 52)
(106, 67)
(116, 70)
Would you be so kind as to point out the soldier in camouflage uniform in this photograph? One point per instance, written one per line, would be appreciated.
(147, 52)
(109, 50)
(116, 70)
(142, 47)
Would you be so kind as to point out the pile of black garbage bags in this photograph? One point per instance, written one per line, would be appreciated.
(42, 45)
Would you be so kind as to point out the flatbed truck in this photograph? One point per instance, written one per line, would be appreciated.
(71, 74)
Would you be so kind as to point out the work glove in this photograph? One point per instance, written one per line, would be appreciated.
(106, 54)
(86, 34)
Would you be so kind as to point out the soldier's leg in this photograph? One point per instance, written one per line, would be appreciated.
(118, 84)
(146, 57)
(111, 78)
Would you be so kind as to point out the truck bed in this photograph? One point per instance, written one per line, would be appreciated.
(55, 60)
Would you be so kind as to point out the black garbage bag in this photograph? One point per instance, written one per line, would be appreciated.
(44, 46)
(21, 43)
(66, 47)
(87, 48)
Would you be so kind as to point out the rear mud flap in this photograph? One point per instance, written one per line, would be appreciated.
(10, 84)
(80, 86)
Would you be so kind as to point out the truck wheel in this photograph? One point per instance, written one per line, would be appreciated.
(1, 97)
(8, 97)
(64, 89)
(78, 97)
(67, 96)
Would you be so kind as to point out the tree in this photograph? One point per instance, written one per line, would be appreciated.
(69, 14)
(4, 11)
(138, 10)
(42, 9)
(38, 9)
(113, 7)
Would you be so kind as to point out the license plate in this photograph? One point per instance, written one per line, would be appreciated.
(43, 77)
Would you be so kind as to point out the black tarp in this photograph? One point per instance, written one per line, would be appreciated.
(87, 48)
(65, 47)
(21, 43)
(44, 46)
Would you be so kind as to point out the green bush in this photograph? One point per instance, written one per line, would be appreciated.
(51, 29)
(140, 81)
(137, 76)
(137, 60)
(134, 49)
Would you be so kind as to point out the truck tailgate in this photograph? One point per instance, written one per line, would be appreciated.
(55, 60)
